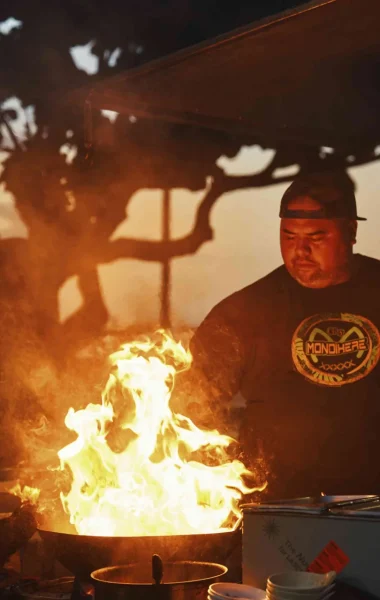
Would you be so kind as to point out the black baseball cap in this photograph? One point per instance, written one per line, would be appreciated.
(333, 190)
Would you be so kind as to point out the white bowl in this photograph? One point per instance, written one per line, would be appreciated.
(223, 591)
(213, 596)
(326, 596)
(300, 593)
(259, 596)
(300, 581)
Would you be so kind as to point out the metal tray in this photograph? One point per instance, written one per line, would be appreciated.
(342, 505)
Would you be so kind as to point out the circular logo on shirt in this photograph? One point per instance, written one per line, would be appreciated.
(335, 349)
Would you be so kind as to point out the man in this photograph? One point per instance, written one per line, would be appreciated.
(300, 349)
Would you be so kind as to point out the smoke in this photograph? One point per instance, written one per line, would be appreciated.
(36, 393)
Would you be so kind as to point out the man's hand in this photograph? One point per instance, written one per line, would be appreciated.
(16, 530)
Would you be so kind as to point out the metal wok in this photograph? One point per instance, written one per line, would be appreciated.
(82, 554)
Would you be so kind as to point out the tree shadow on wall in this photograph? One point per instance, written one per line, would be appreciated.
(71, 212)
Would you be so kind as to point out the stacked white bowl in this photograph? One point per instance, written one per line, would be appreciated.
(237, 591)
(301, 585)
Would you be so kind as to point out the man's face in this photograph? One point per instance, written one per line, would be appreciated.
(317, 252)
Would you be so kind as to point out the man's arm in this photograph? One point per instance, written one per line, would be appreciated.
(219, 348)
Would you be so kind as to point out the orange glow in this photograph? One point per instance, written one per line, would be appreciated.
(140, 469)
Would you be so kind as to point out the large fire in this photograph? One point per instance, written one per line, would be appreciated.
(135, 464)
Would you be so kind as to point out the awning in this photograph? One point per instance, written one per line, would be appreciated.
(307, 76)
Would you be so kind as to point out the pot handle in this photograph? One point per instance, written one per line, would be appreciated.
(157, 569)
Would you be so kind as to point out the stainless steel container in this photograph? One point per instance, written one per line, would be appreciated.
(330, 532)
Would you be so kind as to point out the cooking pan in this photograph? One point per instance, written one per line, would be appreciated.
(82, 554)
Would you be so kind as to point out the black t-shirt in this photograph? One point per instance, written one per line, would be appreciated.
(306, 363)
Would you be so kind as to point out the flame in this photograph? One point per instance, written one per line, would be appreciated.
(135, 464)
(26, 493)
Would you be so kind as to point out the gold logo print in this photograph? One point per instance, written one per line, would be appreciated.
(335, 349)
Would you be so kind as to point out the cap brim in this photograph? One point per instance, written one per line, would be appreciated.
(361, 219)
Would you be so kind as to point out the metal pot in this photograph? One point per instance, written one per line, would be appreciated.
(82, 554)
(181, 581)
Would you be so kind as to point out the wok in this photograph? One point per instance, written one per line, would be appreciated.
(82, 554)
